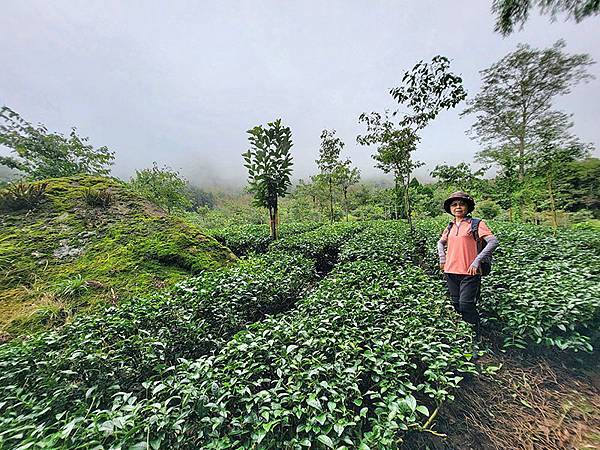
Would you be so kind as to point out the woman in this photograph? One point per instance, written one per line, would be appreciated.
(459, 257)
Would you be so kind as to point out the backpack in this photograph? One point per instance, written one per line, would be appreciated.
(486, 263)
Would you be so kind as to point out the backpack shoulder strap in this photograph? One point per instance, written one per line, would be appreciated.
(475, 228)
(449, 227)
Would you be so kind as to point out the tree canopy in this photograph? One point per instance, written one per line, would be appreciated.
(513, 13)
(269, 164)
(41, 154)
(514, 110)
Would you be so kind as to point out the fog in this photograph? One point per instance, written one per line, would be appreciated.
(179, 83)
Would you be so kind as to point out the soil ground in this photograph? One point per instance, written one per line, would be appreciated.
(531, 402)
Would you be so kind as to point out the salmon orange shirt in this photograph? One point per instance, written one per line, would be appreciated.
(461, 247)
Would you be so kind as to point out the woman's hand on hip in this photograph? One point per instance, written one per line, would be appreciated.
(473, 270)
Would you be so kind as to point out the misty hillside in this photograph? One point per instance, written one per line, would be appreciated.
(88, 242)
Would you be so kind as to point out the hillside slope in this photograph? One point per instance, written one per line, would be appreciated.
(65, 254)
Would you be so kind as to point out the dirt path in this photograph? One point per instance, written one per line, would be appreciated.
(530, 403)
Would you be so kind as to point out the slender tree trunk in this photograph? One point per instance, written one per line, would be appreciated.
(521, 174)
(274, 219)
(396, 198)
(272, 226)
(330, 200)
(346, 204)
(407, 203)
(552, 202)
(277, 220)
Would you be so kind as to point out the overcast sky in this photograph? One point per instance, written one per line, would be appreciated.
(180, 82)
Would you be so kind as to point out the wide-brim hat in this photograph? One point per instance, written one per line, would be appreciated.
(460, 196)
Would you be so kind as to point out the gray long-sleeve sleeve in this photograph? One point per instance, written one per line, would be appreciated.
(441, 247)
(486, 253)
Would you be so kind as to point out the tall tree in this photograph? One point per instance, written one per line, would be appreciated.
(514, 105)
(552, 163)
(329, 163)
(510, 13)
(584, 180)
(41, 154)
(269, 164)
(426, 90)
(346, 176)
(393, 154)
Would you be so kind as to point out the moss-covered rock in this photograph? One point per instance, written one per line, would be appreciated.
(67, 254)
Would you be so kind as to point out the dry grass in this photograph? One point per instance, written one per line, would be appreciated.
(531, 403)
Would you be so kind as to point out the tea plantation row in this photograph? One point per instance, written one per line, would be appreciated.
(543, 289)
(263, 355)
(52, 377)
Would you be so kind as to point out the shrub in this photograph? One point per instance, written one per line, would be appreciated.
(487, 209)
(362, 359)
(389, 242)
(321, 245)
(543, 288)
(20, 195)
(245, 239)
(58, 375)
(73, 287)
(98, 198)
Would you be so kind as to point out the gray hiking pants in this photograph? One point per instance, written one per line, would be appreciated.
(464, 293)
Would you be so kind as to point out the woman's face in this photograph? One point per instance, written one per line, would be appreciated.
(458, 208)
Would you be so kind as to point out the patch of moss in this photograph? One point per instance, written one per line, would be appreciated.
(130, 248)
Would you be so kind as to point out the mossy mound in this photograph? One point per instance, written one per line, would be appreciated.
(66, 255)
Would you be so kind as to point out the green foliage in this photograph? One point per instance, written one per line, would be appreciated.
(428, 89)
(487, 209)
(381, 241)
(393, 154)
(162, 186)
(321, 245)
(19, 196)
(512, 13)
(124, 250)
(261, 355)
(72, 287)
(269, 164)
(359, 361)
(545, 289)
(330, 164)
(459, 177)
(514, 115)
(584, 185)
(347, 176)
(40, 154)
(247, 239)
(79, 371)
(590, 225)
(199, 198)
(98, 198)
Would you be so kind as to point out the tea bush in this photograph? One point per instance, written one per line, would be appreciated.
(62, 373)
(545, 289)
(321, 245)
(390, 242)
(246, 239)
(257, 356)
(366, 356)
